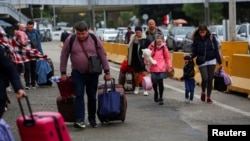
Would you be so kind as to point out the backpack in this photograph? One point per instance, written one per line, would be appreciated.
(72, 38)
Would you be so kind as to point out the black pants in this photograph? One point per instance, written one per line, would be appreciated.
(30, 73)
(2, 106)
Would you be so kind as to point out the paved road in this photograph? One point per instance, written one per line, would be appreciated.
(145, 120)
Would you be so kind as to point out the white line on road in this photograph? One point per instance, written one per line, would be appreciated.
(198, 97)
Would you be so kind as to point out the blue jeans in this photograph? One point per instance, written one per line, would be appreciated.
(81, 82)
(189, 88)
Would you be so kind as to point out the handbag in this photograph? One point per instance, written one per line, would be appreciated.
(147, 83)
(109, 102)
(94, 63)
(200, 60)
(171, 73)
(219, 82)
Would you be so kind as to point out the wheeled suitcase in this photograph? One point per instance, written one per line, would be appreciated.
(66, 106)
(123, 101)
(41, 126)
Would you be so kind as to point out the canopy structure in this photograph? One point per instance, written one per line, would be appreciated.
(4, 23)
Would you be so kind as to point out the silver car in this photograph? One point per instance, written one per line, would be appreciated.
(175, 37)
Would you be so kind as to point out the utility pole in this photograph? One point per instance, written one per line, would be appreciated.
(92, 14)
(207, 13)
(232, 20)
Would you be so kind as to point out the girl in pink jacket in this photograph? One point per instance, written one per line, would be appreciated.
(162, 56)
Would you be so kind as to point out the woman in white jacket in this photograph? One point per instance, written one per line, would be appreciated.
(137, 43)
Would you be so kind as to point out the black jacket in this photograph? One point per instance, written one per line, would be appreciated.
(199, 45)
(188, 70)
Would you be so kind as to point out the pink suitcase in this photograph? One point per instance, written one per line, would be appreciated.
(42, 126)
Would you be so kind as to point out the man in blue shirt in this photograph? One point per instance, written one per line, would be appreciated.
(30, 66)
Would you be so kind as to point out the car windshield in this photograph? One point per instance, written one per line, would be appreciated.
(110, 32)
(182, 31)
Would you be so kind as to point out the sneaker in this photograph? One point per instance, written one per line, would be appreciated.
(6, 107)
(145, 93)
(136, 90)
(27, 87)
(8, 89)
(191, 101)
(187, 100)
(94, 125)
(80, 125)
(161, 102)
(203, 97)
(33, 87)
(209, 100)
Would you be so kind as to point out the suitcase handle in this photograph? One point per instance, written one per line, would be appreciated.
(27, 122)
(112, 86)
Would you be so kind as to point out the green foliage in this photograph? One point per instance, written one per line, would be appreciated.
(196, 12)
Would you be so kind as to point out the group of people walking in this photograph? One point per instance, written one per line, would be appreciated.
(204, 45)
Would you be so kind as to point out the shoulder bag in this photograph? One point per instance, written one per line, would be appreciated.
(94, 63)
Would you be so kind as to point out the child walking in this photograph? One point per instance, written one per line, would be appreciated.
(188, 77)
(158, 71)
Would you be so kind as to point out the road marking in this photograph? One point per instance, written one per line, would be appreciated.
(198, 97)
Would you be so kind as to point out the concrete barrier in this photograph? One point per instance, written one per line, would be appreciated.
(178, 63)
(228, 48)
(240, 74)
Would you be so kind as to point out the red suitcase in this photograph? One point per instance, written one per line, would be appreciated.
(122, 115)
(66, 88)
(41, 126)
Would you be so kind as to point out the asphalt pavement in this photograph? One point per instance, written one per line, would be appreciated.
(145, 119)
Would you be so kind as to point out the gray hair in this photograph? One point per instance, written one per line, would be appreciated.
(81, 26)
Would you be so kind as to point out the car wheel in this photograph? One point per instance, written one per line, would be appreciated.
(175, 48)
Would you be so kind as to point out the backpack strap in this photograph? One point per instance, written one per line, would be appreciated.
(72, 38)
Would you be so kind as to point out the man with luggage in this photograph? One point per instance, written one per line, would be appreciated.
(30, 66)
(82, 79)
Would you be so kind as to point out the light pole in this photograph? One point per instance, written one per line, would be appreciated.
(232, 20)
(92, 14)
(207, 13)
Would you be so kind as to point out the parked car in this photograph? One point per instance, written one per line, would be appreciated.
(187, 42)
(217, 30)
(243, 34)
(165, 32)
(109, 35)
(176, 35)
(45, 35)
(120, 37)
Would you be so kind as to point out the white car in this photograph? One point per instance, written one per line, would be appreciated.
(109, 35)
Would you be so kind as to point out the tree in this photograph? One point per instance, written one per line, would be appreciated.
(196, 12)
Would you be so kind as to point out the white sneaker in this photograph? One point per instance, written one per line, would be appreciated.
(145, 93)
(136, 91)
(8, 89)
(187, 100)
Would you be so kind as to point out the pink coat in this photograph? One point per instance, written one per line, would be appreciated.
(162, 57)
